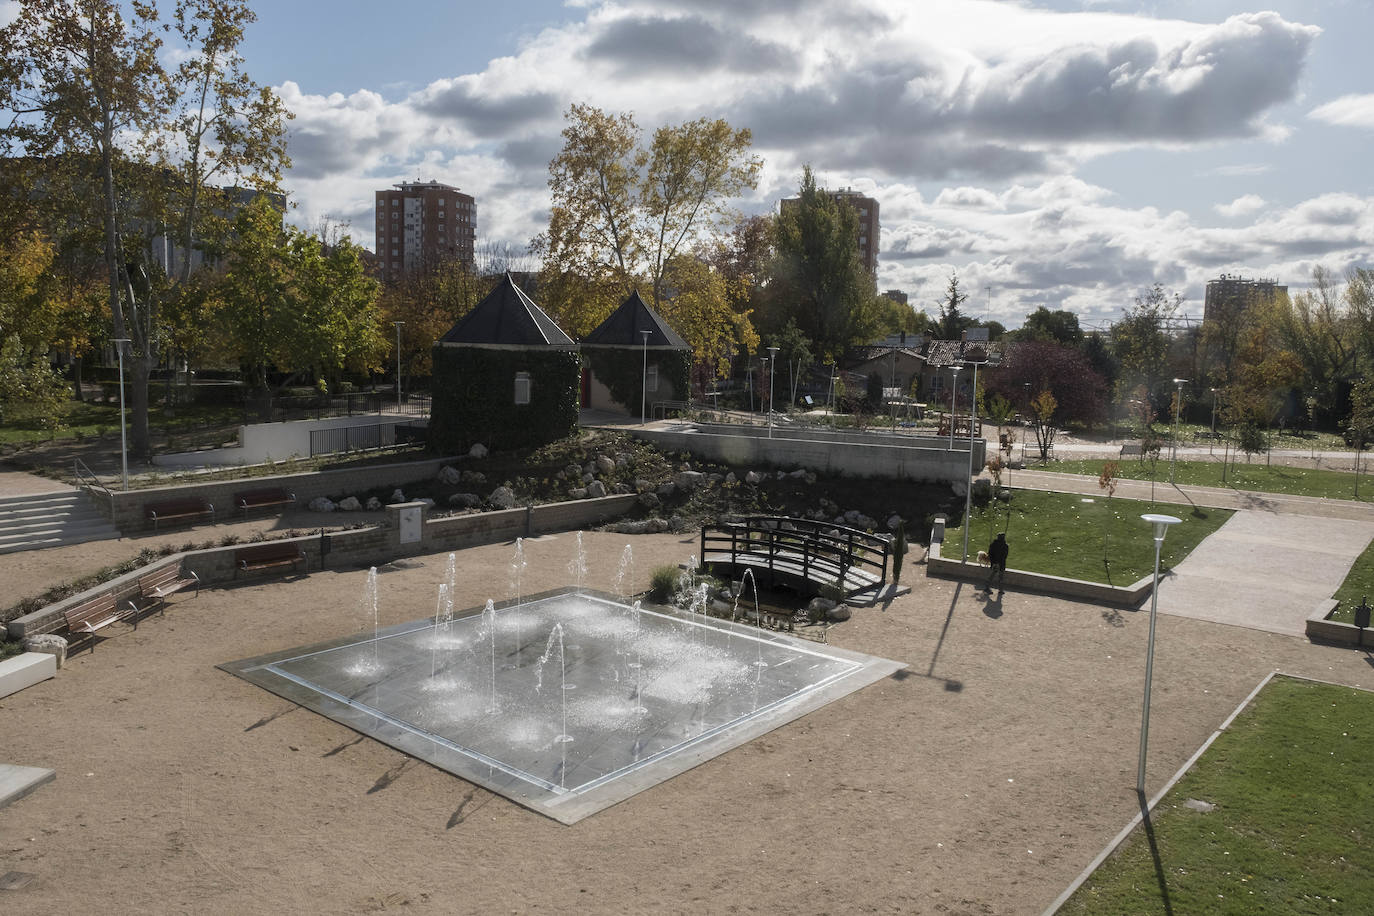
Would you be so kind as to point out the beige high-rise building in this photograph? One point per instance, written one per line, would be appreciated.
(420, 224)
(867, 210)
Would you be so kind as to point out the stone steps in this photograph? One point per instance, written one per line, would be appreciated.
(50, 520)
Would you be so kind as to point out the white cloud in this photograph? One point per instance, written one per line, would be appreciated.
(964, 118)
(1347, 111)
(1244, 205)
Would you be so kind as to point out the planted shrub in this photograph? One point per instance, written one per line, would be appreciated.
(662, 583)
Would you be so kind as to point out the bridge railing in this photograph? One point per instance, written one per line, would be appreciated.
(822, 553)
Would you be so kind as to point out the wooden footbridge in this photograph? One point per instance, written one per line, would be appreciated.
(798, 551)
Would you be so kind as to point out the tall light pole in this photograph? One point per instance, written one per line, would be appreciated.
(1161, 525)
(1213, 445)
(644, 381)
(973, 422)
(119, 343)
(832, 395)
(1178, 408)
(398, 364)
(772, 371)
(953, 401)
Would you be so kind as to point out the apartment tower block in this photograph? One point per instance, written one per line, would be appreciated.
(421, 224)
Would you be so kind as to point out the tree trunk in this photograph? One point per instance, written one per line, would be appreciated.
(141, 443)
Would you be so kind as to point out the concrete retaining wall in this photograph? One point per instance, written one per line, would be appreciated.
(875, 456)
(359, 547)
(1059, 586)
(260, 442)
(125, 508)
(1319, 629)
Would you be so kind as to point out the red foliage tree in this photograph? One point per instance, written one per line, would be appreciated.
(1081, 391)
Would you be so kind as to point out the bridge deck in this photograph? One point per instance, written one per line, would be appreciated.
(800, 550)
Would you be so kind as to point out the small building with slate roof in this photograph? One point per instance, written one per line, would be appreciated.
(505, 375)
(634, 359)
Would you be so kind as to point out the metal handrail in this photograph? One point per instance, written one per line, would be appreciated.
(821, 549)
(85, 477)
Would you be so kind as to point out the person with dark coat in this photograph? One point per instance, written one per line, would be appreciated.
(997, 559)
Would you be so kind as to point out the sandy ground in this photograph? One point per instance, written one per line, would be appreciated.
(982, 779)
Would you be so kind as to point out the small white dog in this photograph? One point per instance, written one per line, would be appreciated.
(983, 558)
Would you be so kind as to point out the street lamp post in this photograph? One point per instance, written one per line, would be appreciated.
(644, 382)
(953, 402)
(772, 371)
(1161, 525)
(973, 423)
(1211, 447)
(1178, 407)
(119, 343)
(398, 364)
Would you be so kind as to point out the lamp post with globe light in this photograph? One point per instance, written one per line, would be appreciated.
(1161, 525)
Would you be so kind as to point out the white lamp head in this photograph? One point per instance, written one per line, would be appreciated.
(1161, 523)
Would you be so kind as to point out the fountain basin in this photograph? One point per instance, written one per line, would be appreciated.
(638, 696)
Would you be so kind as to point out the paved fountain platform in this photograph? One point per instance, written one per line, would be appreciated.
(566, 702)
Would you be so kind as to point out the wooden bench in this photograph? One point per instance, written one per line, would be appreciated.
(177, 509)
(155, 587)
(267, 556)
(263, 499)
(94, 614)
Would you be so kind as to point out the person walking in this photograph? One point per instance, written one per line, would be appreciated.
(997, 559)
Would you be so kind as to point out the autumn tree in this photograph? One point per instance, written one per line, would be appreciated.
(621, 212)
(698, 307)
(93, 96)
(1080, 392)
(1316, 328)
(1042, 421)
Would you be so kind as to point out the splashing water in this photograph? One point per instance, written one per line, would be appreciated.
(627, 568)
(563, 738)
(489, 621)
(443, 616)
(517, 570)
(577, 567)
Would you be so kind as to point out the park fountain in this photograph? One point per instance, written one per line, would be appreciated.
(655, 693)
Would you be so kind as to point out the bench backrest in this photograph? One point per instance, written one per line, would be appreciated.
(267, 495)
(177, 506)
(284, 550)
(98, 606)
(158, 578)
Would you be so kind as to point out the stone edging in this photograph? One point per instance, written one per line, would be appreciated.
(1058, 586)
(1319, 629)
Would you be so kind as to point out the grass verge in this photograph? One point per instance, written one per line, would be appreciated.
(1358, 584)
(1092, 538)
(1292, 826)
(1275, 479)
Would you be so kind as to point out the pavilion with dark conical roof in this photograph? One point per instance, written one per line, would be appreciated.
(505, 375)
(635, 359)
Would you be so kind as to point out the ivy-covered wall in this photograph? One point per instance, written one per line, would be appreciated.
(621, 370)
(473, 397)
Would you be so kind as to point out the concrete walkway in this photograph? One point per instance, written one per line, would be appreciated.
(1265, 574)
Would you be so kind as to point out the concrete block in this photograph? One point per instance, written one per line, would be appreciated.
(25, 670)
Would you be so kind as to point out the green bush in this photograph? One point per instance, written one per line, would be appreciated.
(663, 583)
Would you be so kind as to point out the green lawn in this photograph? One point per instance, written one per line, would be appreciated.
(84, 419)
(1092, 538)
(1242, 476)
(1358, 584)
(1293, 825)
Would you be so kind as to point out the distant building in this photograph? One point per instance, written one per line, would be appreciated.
(897, 296)
(226, 203)
(420, 224)
(1228, 296)
(867, 210)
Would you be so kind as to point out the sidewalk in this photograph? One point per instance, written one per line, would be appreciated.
(1215, 497)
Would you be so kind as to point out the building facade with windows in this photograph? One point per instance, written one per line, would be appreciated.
(421, 224)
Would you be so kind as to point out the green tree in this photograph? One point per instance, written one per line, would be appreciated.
(1140, 340)
(95, 99)
(293, 307)
(1316, 328)
(1360, 423)
(823, 287)
(953, 322)
(1058, 326)
(1043, 406)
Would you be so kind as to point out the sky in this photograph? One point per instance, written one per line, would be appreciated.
(1058, 153)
